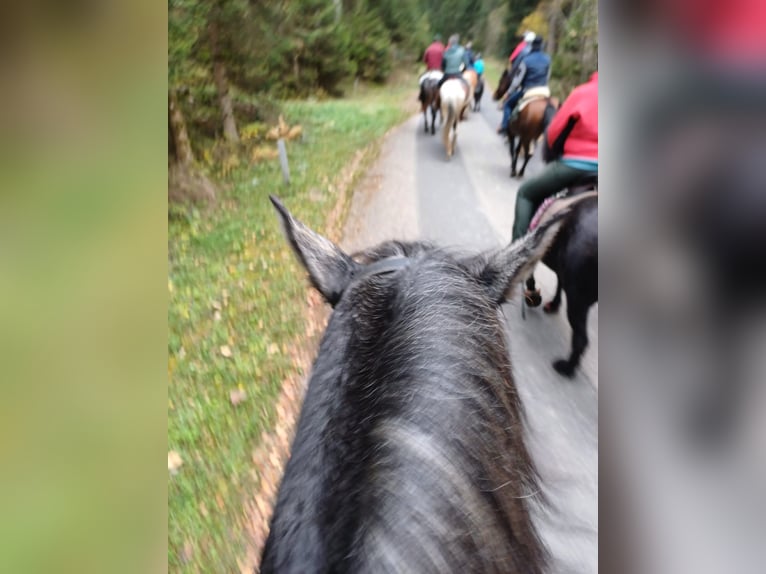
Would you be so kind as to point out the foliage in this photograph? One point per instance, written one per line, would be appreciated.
(370, 46)
(576, 56)
(517, 10)
(233, 283)
(535, 21)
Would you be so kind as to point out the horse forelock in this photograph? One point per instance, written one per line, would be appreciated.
(410, 439)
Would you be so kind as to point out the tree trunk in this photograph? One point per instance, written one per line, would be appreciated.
(590, 27)
(222, 87)
(186, 183)
(181, 143)
(554, 15)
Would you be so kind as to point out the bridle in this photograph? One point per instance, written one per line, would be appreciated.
(382, 267)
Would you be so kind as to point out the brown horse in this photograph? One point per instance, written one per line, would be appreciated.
(472, 78)
(429, 99)
(528, 126)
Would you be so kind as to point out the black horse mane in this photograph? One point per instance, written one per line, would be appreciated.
(409, 453)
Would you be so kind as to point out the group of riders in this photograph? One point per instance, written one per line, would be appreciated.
(571, 137)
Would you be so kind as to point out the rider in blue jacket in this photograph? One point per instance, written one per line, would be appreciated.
(533, 71)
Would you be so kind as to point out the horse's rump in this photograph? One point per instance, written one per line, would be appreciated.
(556, 203)
(428, 91)
(472, 78)
(431, 75)
(532, 94)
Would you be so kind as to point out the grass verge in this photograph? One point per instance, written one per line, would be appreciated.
(237, 302)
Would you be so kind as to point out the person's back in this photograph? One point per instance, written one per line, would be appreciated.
(537, 66)
(454, 58)
(434, 55)
(522, 48)
(579, 113)
(469, 54)
(478, 65)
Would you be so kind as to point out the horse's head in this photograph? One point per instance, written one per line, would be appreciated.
(503, 85)
(338, 276)
(409, 411)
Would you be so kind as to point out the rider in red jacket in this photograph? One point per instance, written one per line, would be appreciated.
(572, 138)
(434, 54)
(580, 146)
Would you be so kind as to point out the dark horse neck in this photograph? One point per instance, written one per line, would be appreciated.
(408, 454)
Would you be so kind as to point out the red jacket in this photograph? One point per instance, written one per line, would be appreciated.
(519, 47)
(581, 105)
(434, 55)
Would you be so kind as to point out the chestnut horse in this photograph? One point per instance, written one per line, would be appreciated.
(472, 78)
(528, 126)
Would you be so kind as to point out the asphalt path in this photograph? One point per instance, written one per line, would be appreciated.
(414, 192)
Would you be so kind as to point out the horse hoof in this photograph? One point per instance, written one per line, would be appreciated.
(533, 298)
(513, 174)
(563, 368)
(550, 308)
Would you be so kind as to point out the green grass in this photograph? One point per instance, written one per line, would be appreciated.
(234, 258)
(493, 69)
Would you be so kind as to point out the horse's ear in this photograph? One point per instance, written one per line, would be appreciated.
(330, 269)
(500, 271)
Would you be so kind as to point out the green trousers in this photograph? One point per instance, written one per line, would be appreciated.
(555, 177)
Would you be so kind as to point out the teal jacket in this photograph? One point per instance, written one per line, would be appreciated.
(454, 57)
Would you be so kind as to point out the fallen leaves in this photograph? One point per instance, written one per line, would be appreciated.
(188, 552)
(237, 396)
(174, 462)
(264, 153)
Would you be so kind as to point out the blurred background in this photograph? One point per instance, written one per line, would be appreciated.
(330, 78)
(93, 327)
(683, 452)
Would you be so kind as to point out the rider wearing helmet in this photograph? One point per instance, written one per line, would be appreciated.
(478, 65)
(572, 139)
(434, 54)
(433, 58)
(454, 62)
(522, 49)
(533, 72)
(469, 53)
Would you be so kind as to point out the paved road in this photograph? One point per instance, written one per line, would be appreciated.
(412, 192)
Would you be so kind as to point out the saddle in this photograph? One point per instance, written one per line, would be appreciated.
(433, 75)
(533, 94)
(585, 188)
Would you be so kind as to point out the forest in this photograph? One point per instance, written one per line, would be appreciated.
(230, 62)
(330, 78)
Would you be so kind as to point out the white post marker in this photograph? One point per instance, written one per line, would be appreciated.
(283, 160)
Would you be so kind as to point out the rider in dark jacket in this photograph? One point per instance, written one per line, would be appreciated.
(533, 71)
(455, 61)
